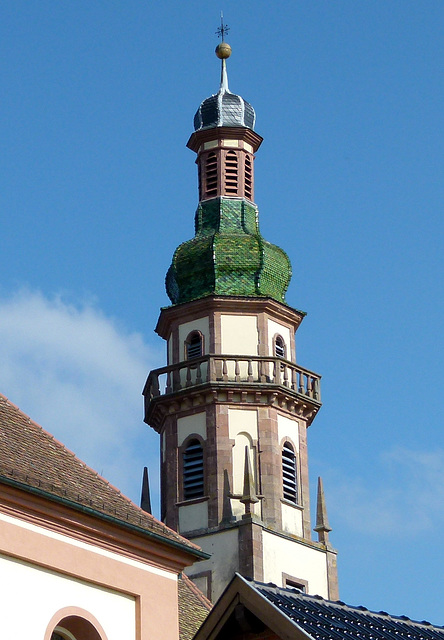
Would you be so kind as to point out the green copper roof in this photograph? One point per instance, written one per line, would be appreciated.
(227, 256)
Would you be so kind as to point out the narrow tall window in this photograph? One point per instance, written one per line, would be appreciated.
(231, 173)
(248, 178)
(211, 176)
(193, 345)
(279, 347)
(193, 471)
(289, 475)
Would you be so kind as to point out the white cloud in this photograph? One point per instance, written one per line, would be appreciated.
(80, 375)
(405, 498)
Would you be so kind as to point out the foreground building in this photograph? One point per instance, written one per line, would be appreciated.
(78, 560)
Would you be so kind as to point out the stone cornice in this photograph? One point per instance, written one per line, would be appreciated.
(187, 311)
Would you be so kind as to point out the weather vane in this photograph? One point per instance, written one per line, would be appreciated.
(223, 29)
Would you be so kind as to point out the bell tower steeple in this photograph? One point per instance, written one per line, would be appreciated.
(232, 406)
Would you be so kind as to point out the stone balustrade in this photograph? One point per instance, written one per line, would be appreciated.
(229, 369)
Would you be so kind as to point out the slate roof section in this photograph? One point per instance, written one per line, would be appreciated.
(251, 609)
(193, 608)
(33, 459)
(326, 620)
(224, 109)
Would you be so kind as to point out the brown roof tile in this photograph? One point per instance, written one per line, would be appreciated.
(32, 457)
(193, 608)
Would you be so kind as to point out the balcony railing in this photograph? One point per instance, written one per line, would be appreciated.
(228, 369)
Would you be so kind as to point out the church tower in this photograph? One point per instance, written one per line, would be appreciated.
(232, 407)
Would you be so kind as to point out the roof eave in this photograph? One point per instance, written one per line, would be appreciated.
(193, 554)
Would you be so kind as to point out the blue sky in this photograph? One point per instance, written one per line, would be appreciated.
(97, 189)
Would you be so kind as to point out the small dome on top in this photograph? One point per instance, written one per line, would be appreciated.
(224, 109)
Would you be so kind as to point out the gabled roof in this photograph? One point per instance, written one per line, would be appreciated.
(251, 607)
(193, 607)
(34, 461)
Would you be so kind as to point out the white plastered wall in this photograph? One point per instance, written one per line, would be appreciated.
(193, 516)
(288, 428)
(295, 559)
(191, 424)
(239, 335)
(31, 595)
(292, 520)
(224, 549)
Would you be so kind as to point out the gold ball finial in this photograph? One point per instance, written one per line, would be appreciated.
(223, 50)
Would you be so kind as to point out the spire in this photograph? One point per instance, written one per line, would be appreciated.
(322, 527)
(145, 501)
(223, 51)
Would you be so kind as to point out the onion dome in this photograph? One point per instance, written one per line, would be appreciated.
(228, 256)
(224, 109)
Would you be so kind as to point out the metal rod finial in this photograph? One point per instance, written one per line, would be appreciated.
(223, 29)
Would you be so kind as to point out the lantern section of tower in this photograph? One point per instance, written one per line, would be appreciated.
(232, 406)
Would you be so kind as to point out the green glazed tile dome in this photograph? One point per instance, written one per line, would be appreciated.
(228, 256)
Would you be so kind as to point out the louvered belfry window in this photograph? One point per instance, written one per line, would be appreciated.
(193, 471)
(211, 176)
(231, 173)
(194, 346)
(248, 178)
(289, 475)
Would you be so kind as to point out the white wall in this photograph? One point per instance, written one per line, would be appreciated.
(239, 335)
(297, 560)
(288, 428)
(193, 516)
(191, 424)
(224, 561)
(31, 595)
(292, 520)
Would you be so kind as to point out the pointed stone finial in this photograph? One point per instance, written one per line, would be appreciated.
(249, 496)
(145, 501)
(322, 527)
(227, 511)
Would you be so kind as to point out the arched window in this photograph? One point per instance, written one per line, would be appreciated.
(248, 178)
(289, 475)
(211, 176)
(72, 623)
(193, 345)
(231, 173)
(279, 347)
(193, 471)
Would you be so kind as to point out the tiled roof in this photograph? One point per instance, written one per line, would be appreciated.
(35, 460)
(193, 608)
(327, 620)
(227, 256)
(261, 610)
